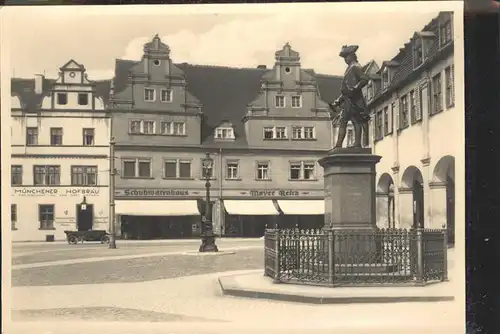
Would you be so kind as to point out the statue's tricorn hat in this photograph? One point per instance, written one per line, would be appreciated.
(348, 50)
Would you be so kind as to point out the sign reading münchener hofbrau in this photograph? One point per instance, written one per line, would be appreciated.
(56, 191)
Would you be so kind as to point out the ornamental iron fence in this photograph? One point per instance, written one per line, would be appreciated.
(356, 257)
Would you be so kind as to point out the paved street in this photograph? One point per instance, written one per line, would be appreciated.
(138, 285)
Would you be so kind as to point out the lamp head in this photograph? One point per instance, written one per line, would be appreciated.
(208, 164)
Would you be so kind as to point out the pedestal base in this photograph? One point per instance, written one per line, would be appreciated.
(358, 247)
(349, 177)
(208, 243)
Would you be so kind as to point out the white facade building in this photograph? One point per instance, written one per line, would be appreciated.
(417, 128)
(60, 155)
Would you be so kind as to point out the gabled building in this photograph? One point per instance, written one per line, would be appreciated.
(60, 146)
(416, 127)
(265, 129)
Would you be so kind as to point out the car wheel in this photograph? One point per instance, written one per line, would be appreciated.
(105, 240)
(72, 240)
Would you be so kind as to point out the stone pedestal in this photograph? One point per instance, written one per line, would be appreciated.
(350, 204)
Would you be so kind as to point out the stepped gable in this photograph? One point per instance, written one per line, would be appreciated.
(225, 93)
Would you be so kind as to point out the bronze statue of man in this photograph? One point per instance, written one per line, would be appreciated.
(351, 100)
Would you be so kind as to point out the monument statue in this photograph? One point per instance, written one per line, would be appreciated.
(351, 105)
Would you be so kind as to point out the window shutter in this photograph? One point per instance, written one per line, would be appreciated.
(452, 84)
(399, 124)
(418, 101)
(389, 119)
(430, 96)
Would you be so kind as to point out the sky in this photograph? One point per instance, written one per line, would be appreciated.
(42, 39)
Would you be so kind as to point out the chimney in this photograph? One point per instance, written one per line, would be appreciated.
(39, 78)
(262, 67)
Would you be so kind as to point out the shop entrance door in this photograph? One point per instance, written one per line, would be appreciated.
(84, 217)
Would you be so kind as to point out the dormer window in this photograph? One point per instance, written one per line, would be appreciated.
(385, 78)
(279, 101)
(166, 95)
(83, 99)
(369, 91)
(445, 34)
(149, 94)
(62, 99)
(296, 101)
(224, 133)
(418, 52)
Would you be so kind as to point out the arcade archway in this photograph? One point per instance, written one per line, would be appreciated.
(385, 191)
(412, 180)
(444, 174)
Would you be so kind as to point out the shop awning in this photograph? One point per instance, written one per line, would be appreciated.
(250, 207)
(302, 207)
(157, 208)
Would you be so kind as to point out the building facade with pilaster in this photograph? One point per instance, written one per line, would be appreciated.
(265, 128)
(417, 128)
(60, 146)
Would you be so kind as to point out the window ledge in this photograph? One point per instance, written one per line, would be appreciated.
(275, 139)
(47, 229)
(436, 112)
(84, 185)
(450, 106)
(403, 127)
(302, 180)
(230, 179)
(171, 135)
(137, 177)
(204, 179)
(141, 134)
(177, 178)
(45, 185)
(266, 180)
(305, 139)
(13, 229)
(416, 121)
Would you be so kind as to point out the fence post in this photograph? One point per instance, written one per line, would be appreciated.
(265, 251)
(276, 278)
(331, 264)
(419, 279)
(445, 253)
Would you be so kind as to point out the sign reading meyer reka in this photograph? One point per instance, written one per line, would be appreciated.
(274, 193)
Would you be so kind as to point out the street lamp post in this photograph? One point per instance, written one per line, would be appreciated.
(112, 173)
(207, 229)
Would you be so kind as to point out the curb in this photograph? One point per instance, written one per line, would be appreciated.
(126, 241)
(230, 287)
(219, 253)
